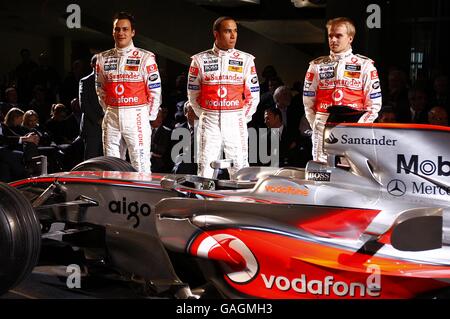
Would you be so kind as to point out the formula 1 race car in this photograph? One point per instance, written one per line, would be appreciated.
(372, 222)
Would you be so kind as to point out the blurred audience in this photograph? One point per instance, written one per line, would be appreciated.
(387, 115)
(47, 77)
(40, 103)
(418, 107)
(62, 129)
(438, 115)
(161, 146)
(14, 137)
(441, 92)
(397, 94)
(265, 102)
(11, 100)
(69, 87)
(269, 72)
(23, 76)
(30, 123)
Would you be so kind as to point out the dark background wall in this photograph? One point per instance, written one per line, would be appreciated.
(176, 29)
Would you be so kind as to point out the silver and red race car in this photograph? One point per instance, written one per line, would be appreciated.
(373, 222)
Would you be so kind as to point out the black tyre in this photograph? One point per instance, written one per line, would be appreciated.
(105, 163)
(20, 237)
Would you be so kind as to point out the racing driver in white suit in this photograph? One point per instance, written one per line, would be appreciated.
(129, 90)
(340, 79)
(223, 90)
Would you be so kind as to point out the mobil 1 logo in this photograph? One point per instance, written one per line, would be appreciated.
(418, 166)
(415, 165)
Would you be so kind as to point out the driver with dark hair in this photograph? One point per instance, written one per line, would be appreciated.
(129, 90)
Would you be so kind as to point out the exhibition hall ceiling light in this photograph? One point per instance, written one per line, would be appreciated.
(309, 3)
(224, 3)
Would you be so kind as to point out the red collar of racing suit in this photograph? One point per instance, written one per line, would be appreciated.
(126, 50)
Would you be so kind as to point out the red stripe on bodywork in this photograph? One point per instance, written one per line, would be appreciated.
(82, 181)
(340, 223)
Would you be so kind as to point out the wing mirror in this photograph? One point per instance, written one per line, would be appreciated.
(418, 230)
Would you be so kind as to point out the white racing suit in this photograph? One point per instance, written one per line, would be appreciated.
(339, 79)
(223, 90)
(129, 91)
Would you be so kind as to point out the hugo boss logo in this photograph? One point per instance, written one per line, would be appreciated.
(319, 176)
(131, 209)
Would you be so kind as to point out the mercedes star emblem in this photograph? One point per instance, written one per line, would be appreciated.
(396, 188)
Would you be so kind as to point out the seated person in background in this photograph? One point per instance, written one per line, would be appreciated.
(441, 91)
(63, 131)
(19, 138)
(10, 101)
(438, 116)
(13, 122)
(30, 120)
(418, 107)
(16, 152)
(31, 124)
(46, 146)
(40, 103)
(387, 115)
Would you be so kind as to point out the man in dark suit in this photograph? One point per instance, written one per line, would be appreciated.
(185, 161)
(286, 150)
(418, 106)
(92, 116)
(161, 145)
(290, 112)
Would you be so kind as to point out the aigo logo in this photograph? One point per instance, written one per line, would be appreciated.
(239, 263)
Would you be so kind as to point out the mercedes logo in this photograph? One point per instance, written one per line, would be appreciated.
(396, 188)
